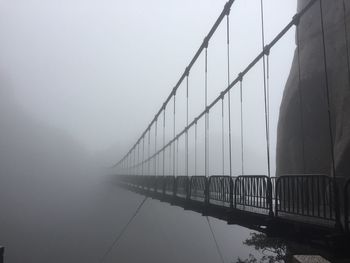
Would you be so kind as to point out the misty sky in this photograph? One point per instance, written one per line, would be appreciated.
(101, 69)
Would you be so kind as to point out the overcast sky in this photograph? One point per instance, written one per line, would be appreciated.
(101, 69)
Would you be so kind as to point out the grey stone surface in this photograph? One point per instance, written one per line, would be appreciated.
(309, 259)
(303, 137)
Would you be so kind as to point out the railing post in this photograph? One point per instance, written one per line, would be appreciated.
(188, 188)
(231, 192)
(2, 251)
(235, 192)
(269, 196)
(346, 206)
(276, 194)
(206, 192)
(336, 201)
(174, 187)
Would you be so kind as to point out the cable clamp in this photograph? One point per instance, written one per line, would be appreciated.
(240, 76)
(187, 71)
(206, 42)
(296, 19)
(222, 95)
(227, 8)
(207, 109)
(267, 49)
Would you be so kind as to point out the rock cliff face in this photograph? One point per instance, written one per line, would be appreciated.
(303, 138)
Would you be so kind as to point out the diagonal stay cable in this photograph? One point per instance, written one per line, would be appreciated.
(116, 240)
(215, 241)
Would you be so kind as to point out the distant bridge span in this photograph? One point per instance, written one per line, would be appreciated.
(313, 203)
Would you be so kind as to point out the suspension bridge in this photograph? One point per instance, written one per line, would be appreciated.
(160, 168)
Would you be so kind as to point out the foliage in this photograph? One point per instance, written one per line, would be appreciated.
(272, 249)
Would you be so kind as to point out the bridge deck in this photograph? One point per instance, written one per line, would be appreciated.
(257, 202)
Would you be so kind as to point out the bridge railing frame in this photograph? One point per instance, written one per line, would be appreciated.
(308, 195)
(259, 195)
(181, 189)
(346, 206)
(198, 188)
(225, 183)
(169, 185)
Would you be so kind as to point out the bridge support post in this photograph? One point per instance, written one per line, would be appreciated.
(231, 193)
(2, 251)
(269, 197)
(338, 225)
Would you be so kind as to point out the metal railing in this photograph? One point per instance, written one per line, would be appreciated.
(346, 205)
(169, 185)
(253, 193)
(159, 184)
(181, 186)
(198, 188)
(151, 183)
(306, 196)
(309, 198)
(221, 190)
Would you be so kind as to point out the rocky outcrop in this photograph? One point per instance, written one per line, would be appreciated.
(304, 144)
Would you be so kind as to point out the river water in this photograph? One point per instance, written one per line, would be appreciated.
(66, 218)
(75, 218)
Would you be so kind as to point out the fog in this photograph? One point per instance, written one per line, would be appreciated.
(79, 83)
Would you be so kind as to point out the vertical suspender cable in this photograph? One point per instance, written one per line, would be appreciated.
(164, 142)
(155, 148)
(300, 91)
(170, 159)
(127, 164)
(266, 95)
(206, 159)
(223, 135)
(149, 151)
(242, 133)
(174, 145)
(177, 157)
(128, 158)
(346, 40)
(134, 164)
(327, 90)
(195, 148)
(229, 96)
(333, 169)
(138, 158)
(143, 155)
(186, 164)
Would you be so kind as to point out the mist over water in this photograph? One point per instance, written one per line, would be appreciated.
(79, 81)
